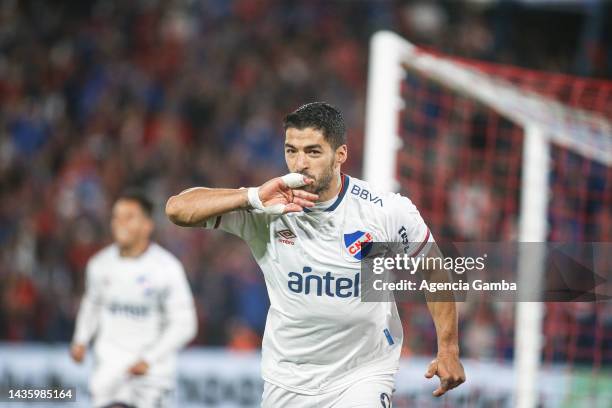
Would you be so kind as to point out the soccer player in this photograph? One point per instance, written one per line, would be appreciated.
(322, 346)
(138, 305)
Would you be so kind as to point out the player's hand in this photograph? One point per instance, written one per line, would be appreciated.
(276, 191)
(449, 369)
(77, 352)
(140, 368)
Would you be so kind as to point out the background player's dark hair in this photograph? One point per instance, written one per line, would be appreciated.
(140, 197)
(320, 116)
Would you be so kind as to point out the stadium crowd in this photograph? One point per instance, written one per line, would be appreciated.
(99, 96)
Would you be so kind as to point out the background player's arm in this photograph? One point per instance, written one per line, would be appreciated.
(193, 207)
(181, 322)
(87, 318)
(444, 313)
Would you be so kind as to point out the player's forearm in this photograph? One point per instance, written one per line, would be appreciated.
(445, 319)
(443, 309)
(194, 206)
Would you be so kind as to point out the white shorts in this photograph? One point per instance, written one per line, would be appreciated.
(133, 391)
(370, 392)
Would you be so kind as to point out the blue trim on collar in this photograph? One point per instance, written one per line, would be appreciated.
(345, 183)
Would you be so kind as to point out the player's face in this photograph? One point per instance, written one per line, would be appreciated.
(307, 152)
(129, 224)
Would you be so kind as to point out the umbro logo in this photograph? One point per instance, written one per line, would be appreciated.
(286, 237)
(287, 234)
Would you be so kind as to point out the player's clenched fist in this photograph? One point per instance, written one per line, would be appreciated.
(282, 195)
(77, 352)
(449, 369)
(141, 367)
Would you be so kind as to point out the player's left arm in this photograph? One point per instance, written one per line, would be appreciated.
(406, 226)
(181, 322)
(446, 365)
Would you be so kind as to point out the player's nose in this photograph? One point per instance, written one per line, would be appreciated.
(301, 163)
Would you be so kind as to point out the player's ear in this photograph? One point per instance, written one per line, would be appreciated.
(341, 154)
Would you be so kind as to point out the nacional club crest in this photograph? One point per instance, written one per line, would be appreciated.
(357, 243)
(145, 284)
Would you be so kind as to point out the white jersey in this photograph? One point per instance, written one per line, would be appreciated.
(136, 308)
(319, 336)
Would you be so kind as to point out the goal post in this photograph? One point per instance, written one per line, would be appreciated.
(385, 75)
(532, 228)
(443, 111)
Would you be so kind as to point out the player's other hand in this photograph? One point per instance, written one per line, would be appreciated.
(276, 191)
(450, 371)
(139, 368)
(77, 352)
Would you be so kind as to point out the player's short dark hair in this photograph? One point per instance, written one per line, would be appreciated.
(320, 116)
(133, 194)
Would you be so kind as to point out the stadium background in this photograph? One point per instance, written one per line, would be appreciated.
(97, 96)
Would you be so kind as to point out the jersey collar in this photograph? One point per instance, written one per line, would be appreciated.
(343, 188)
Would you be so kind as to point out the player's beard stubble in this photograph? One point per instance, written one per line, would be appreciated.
(321, 184)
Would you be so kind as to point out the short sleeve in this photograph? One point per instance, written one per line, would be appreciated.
(245, 224)
(406, 226)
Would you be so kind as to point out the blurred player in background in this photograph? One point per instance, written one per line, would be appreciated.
(322, 346)
(139, 307)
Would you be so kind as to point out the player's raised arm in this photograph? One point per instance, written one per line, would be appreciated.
(446, 365)
(280, 195)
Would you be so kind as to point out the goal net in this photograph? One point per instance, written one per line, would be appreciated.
(491, 152)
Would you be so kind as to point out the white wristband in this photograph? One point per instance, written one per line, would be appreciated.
(253, 196)
(255, 202)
